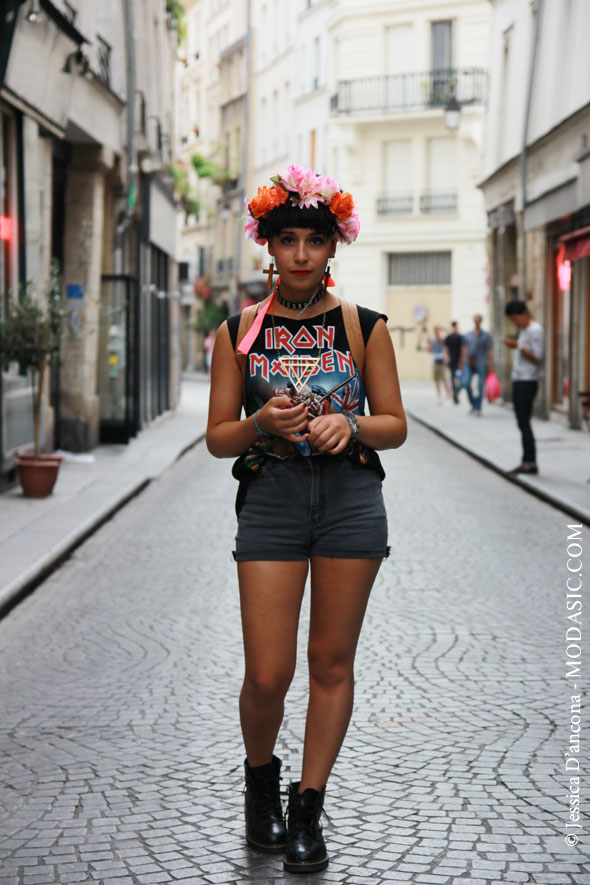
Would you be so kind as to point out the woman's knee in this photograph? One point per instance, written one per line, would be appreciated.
(330, 668)
(267, 686)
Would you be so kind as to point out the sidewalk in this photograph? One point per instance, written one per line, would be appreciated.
(563, 455)
(36, 534)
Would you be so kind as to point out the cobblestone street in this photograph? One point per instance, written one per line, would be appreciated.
(122, 759)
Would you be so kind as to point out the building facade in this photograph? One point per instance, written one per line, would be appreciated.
(86, 94)
(536, 185)
(359, 92)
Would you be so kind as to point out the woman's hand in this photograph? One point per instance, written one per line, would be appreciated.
(280, 417)
(329, 433)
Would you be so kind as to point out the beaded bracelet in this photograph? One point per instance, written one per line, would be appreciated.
(258, 428)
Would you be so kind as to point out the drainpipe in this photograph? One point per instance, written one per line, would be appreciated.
(245, 137)
(128, 215)
(523, 157)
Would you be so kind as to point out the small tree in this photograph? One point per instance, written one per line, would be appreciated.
(31, 336)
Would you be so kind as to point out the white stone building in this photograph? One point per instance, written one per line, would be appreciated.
(420, 256)
(359, 92)
(537, 190)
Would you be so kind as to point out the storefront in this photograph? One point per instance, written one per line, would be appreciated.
(569, 316)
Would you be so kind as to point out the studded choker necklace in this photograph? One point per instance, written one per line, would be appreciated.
(298, 305)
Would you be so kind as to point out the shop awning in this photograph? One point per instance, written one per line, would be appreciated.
(577, 244)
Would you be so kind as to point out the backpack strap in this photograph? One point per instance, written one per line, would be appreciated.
(354, 334)
(246, 319)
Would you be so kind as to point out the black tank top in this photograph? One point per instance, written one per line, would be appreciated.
(309, 359)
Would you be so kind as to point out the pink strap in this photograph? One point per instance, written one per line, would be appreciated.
(252, 334)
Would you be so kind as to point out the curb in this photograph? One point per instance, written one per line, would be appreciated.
(565, 506)
(19, 589)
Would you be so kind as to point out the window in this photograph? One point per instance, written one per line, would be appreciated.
(397, 197)
(275, 122)
(312, 147)
(303, 80)
(263, 33)
(316, 63)
(286, 116)
(442, 45)
(263, 130)
(442, 61)
(419, 269)
(104, 60)
(194, 36)
(441, 195)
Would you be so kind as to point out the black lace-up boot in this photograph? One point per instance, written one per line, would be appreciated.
(306, 849)
(265, 822)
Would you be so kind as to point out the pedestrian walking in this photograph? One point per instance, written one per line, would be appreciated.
(436, 346)
(478, 359)
(309, 497)
(529, 348)
(453, 347)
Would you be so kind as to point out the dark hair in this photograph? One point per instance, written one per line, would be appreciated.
(321, 220)
(516, 307)
(454, 323)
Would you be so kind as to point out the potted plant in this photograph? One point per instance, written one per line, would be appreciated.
(31, 335)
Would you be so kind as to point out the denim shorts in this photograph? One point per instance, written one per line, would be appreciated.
(323, 505)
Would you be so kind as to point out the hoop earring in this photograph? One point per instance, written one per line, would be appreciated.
(328, 281)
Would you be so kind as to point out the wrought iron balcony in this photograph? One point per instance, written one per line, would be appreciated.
(438, 201)
(431, 201)
(401, 93)
(400, 203)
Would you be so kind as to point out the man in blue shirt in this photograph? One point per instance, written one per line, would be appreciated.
(478, 359)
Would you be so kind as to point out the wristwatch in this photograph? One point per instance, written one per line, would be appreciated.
(354, 426)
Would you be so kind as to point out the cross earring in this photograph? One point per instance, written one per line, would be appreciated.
(270, 271)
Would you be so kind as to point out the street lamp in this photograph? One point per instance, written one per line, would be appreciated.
(452, 113)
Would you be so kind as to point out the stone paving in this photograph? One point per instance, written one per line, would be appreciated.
(119, 735)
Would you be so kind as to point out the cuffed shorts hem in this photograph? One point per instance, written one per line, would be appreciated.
(272, 556)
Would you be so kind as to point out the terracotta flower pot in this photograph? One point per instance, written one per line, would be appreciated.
(38, 475)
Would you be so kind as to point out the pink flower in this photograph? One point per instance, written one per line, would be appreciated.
(303, 182)
(349, 228)
(327, 187)
(251, 230)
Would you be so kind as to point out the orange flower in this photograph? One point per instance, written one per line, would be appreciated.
(280, 195)
(266, 200)
(342, 205)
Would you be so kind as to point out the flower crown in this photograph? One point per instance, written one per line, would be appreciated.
(304, 188)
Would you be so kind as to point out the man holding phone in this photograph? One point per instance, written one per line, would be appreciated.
(529, 349)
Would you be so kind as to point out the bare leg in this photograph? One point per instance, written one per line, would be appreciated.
(340, 591)
(270, 600)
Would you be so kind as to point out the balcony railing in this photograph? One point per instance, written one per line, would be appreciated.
(400, 93)
(438, 201)
(401, 203)
(431, 202)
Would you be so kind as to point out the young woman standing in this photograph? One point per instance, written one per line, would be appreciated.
(310, 495)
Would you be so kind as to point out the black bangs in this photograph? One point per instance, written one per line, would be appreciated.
(321, 220)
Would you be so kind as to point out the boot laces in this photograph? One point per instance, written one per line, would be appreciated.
(267, 792)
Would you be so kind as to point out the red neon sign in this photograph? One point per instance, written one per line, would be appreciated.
(5, 227)
(564, 270)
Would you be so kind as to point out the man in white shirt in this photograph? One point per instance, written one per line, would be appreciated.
(526, 371)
